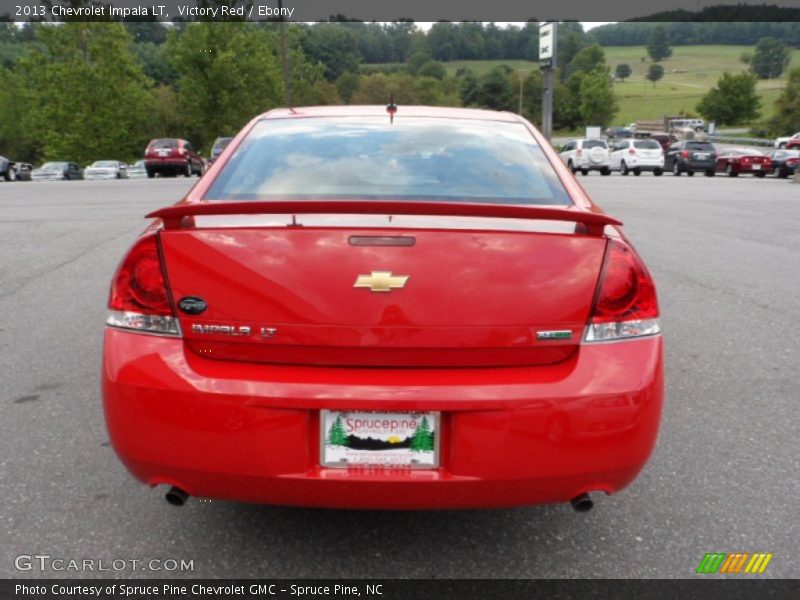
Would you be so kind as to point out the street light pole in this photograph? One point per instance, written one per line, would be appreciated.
(547, 62)
(521, 80)
(287, 84)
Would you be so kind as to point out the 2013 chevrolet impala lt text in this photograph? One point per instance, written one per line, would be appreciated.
(420, 309)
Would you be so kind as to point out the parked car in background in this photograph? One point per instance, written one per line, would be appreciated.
(106, 169)
(8, 169)
(24, 171)
(170, 156)
(793, 144)
(635, 156)
(664, 139)
(693, 124)
(137, 170)
(616, 133)
(737, 161)
(57, 171)
(782, 142)
(586, 155)
(691, 157)
(784, 162)
(219, 145)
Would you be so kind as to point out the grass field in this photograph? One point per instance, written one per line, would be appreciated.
(690, 72)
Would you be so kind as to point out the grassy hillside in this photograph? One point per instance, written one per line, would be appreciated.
(690, 72)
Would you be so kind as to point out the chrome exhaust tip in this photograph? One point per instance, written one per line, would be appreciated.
(176, 496)
(582, 503)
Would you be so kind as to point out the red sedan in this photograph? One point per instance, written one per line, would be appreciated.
(743, 160)
(406, 311)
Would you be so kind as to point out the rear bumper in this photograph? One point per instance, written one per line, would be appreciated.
(698, 166)
(509, 436)
(155, 164)
(645, 164)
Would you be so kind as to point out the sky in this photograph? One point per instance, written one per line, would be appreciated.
(587, 25)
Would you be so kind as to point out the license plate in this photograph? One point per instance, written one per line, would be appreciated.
(385, 439)
(163, 152)
(756, 167)
(701, 156)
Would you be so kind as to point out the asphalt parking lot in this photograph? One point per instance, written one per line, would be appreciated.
(723, 478)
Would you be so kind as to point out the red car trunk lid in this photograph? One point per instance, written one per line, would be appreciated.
(471, 298)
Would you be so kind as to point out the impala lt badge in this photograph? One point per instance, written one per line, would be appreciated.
(233, 330)
(381, 281)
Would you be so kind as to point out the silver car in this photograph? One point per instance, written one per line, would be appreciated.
(137, 170)
(57, 171)
(106, 169)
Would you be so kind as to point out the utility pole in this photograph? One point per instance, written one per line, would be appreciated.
(287, 83)
(521, 80)
(547, 63)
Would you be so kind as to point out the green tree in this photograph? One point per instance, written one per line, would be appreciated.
(598, 102)
(658, 48)
(422, 440)
(416, 60)
(623, 71)
(497, 91)
(588, 59)
(336, 434)
(571, 40)
(654, 73)
(770, 58)
(83, 94)
(433, 69)
(333, 45)
(732, 101)
(567, 103)
(469, 89)
(347, 85)
(229, 74)
(787, 107)
(532, 96)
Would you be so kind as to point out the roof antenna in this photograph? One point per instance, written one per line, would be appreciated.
(391, 108)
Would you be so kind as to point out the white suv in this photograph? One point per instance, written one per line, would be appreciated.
(635, 156)
(586, 155)
(695, 124)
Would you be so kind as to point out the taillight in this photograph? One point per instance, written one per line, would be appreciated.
(792, 161)
(625, 304)
(631, 151)
(139, 299)
(579, 152)
(685, 154)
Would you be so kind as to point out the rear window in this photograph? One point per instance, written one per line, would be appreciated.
(164, 144)
(703, 146)
(647, 145)
(368, 158)
(594, 144)
(220, 144)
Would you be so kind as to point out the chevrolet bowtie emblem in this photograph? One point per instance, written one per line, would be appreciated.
(381, 281)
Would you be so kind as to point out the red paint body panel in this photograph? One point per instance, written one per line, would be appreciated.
(484, 311)
(510, 436)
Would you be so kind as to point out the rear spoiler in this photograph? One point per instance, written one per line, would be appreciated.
(173, 216)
